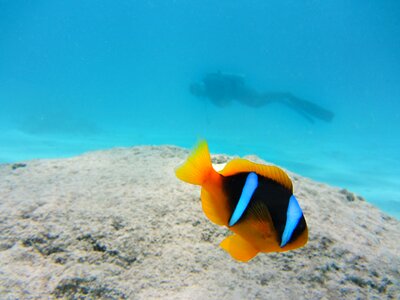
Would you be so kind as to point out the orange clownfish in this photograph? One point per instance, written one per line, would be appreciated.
(254, 201)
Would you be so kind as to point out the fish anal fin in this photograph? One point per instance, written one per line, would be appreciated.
(274, 173)
(239, 248)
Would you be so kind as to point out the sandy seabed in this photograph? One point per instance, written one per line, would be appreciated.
(117, 224)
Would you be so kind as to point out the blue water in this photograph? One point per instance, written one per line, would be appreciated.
(83, 75)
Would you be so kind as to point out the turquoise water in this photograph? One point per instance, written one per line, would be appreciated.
(84, 75)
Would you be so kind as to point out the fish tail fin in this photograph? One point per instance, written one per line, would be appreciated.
(197, 168)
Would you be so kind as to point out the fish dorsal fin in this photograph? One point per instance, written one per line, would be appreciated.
(239, 165)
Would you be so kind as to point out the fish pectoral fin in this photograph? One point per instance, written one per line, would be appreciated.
(239, 248)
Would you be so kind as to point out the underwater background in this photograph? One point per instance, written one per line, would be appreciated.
(84, 75)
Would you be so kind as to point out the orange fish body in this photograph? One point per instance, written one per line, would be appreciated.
(254, 201)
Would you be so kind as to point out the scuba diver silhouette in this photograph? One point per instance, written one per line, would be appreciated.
(222, 89)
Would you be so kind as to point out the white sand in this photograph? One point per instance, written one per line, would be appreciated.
(118, 224)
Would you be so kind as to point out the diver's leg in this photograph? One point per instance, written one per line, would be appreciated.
(254, 99)
(310, 108)
(306, 108)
